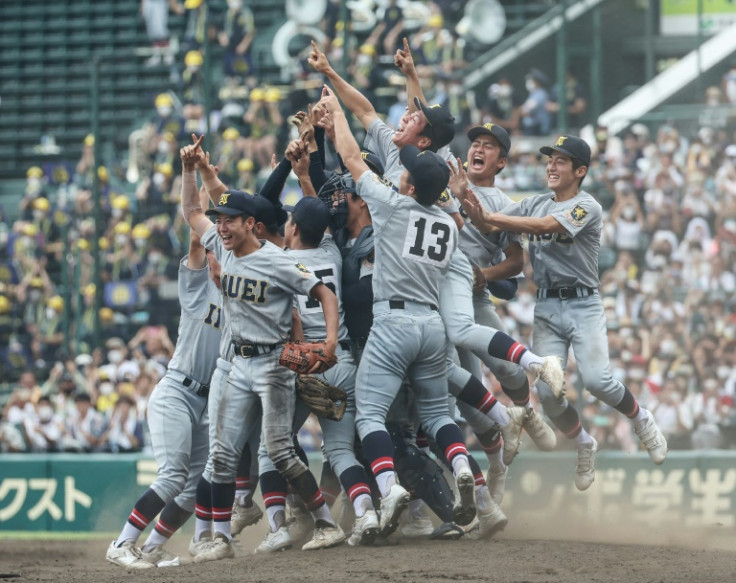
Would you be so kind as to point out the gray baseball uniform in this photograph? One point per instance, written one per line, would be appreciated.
(258, 289)
(177, 410)
(573, 313)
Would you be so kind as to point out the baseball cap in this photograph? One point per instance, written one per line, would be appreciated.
(428, 170)
(311, 212)
(494, 130)
(234, 202)
(267, 212)
(373, 162)
(570, 146)
(440, 124)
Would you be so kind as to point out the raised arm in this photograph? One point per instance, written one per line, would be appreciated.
(197, 258)
(405, 62)
(191, 207)
(345, 142)
(353, 99)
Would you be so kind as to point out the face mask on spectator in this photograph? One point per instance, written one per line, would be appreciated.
(234, 4)
(35, 295)
(38, 215)
(530, 85)
(163, 147)
(629, 213)
(159, 179)
(140, 243)
(154, 256)
(115, 356)
(164, 110)
(50, 313)
(45, 413)
(120, 239)
(668, 347)
(106, 388)
(724, 372)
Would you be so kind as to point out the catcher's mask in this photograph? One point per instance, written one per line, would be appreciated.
(334, 194)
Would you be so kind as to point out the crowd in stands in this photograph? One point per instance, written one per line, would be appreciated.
(667, 255)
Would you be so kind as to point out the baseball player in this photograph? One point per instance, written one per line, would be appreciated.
(177, 418)
(495, 258)
(413, 243)
(564, 229)
(258, 283)
(308, 245)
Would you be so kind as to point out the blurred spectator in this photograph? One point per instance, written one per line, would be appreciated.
(124, 432)
(574, 100)
(673, 415)
(264, 124)
(84, 426)
(156, 16)
(535, 118)
(44, 429)
(238, 31)
(502, 108)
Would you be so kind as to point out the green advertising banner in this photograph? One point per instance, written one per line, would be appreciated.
(94, 493)
(680, 17)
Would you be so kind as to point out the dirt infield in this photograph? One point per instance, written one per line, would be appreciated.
(511, 557)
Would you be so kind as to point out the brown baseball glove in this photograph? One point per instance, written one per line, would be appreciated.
(303, 356)
(324, 399)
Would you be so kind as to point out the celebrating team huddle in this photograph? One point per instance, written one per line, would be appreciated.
(384, 271)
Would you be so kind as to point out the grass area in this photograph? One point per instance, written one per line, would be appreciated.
(46, 535)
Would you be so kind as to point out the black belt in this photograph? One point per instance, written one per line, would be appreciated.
(345, 345)
(566, 293)
(249, 350)
(399, 305)
(202, 391)
(360, 342)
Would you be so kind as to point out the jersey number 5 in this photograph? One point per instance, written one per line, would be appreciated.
(427, 240)
(309, 305)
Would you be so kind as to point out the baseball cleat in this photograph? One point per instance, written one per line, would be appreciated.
(195, 547)
(365, 529)
(464, 512)
(300, 525)
(392, 505)
(550, 371)
(447, 531)
(496, 482)
(219, 548)
(275, 541)
(653, 440)
(416, 526)
(160, 557)
(542, 434)
(492, 519)
(126, 555)
(585, 470)
(325, 537)
(244, 516)
(512, 433)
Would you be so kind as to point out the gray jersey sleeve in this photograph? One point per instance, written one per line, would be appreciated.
(212, 242)
(192, 287)
(379, 140)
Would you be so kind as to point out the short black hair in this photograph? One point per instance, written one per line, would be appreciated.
(422, 197)
(577, 164)
(309, 235)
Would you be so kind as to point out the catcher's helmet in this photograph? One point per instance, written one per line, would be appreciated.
(334, 194)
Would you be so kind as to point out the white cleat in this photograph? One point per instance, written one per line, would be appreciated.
(585, 470)
(195, 547)
(325, 537)
(542, 434)
(416, 527)
(219, 548)
(492, 519)
(550, 371)
(512, 433)
(160, 557)
(244, 516)
(365, 529)
(126, 555)
(653, 440)
(392, 505)
(496, 482)
(275, 541)
(464, 512)
(300, 525)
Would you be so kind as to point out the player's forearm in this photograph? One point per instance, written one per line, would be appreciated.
(413, 89)
(345, 143)
(353, 99)
(214, 186)
(531, 225)
(503, 270)
(190, 206)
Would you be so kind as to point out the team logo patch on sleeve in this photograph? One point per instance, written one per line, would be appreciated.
(303, 269)
(577, 215)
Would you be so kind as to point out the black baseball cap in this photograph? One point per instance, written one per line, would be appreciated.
(494, 130)
(429, 171)
(268, 213)
(440, 126)
(311, 212)
(234, 202)
(373, 162)
(572, 146)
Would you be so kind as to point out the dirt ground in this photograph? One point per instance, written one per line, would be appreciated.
(524, 553)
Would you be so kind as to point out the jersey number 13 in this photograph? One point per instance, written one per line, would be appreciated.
(427, 240)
